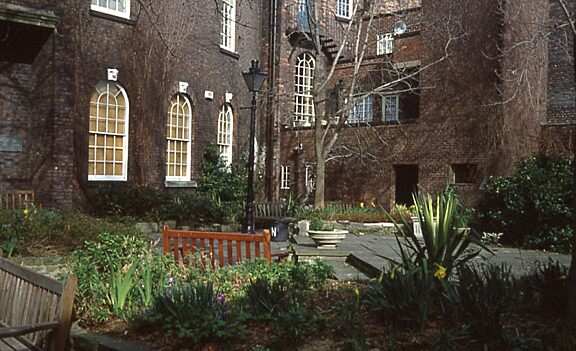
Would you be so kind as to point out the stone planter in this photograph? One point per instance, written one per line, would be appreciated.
(327, 239)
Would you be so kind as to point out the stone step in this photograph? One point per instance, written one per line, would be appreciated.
(86, 341)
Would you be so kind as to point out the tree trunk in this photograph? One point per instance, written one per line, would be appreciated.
(320, 180)
(571, 320)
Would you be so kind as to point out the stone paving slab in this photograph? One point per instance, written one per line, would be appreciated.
(369, 254)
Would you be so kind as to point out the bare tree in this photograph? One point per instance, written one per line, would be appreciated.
(365, 77)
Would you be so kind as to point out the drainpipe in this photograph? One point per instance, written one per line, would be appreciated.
(269, 176)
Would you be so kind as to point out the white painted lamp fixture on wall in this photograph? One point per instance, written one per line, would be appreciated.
(229, 97)
(208, 94)
(112, 74)
(183, 87)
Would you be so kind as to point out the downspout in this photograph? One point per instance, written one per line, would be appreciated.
(271, 102)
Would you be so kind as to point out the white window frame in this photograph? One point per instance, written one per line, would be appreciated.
(228, 30)
(304, 113)
(107, 95)
(385, 102)
(385, 44)
(362, 111)
(344, 8)
(109, 11)
(181, 103)
(285, 177)
(225, 133)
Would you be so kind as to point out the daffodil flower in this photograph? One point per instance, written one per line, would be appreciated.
(440, 272)
(361, 205)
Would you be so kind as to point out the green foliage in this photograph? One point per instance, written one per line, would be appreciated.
(349, 322)
(108, 271)
(121, 284)
(546, 289)
(404, 296)
(316, 224)
(195, 312)
(481, 299)
(40, 232)
(443, 245)
(8, 247)
(124, 200)
(532, 206)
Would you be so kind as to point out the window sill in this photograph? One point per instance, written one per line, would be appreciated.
(113, 18)
(180, 184)
(227, 52)
(343, 19)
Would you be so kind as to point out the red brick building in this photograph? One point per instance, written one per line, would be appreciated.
(120, 92)
(460, 120)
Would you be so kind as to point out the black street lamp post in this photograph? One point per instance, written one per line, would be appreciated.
(254, 79)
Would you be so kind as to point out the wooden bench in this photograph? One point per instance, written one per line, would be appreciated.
(16, 199)
(215, 248)
(267, 213)
(35, 310)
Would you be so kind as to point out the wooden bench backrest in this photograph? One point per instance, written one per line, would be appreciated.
(16, 199)
(270, 209)
(215, 248)
(29, 298)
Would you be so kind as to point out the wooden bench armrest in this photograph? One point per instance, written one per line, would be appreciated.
(7, 332)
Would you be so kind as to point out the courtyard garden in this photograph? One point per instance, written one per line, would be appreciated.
(435, 294)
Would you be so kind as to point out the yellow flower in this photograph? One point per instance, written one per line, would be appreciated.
(25, 212)
(562, 277)
(373, 204)
(361, 205)
(356, 292)
(440, 272)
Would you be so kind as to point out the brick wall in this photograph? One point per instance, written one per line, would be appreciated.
(59, 83)
(558, 131)
(462, 119)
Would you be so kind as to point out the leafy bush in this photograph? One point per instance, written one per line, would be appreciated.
(40, 232)
(195, 312)
(443, 246)
(140, 202)
(546, 288)
(115, 275)
(481, 299)
(532, 206)
(404, 296)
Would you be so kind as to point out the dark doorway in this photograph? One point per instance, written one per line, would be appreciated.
(406, 183)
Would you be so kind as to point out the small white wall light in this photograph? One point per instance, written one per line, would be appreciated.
(112, 74)
(229, 97)
(208, 94)
(182, 87)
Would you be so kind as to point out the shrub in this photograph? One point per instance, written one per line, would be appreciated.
(546, 288)
(481, 299)
(40, 232)
(403, 295)
(140, 202)
(532, 206)
(195, 312)
(115, 275)
(443, 246)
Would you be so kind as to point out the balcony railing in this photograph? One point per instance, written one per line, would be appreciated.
(301, 22)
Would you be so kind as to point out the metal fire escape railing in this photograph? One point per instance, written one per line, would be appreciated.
(300, 24)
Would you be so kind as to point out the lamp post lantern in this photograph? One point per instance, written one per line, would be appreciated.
(254, 79)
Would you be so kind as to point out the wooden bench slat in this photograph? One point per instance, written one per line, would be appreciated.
(31, 276)
(35, 310)
(229, 247)
(25, 329)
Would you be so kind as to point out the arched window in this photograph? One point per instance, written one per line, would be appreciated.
(303, 99)
(108, 138)
(224, 140)
(179, 135)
